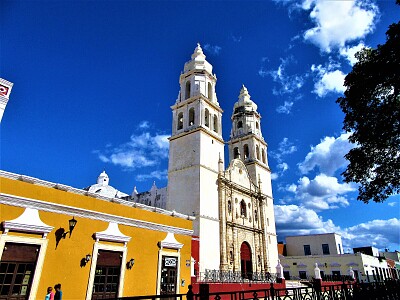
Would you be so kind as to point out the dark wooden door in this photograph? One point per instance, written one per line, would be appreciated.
(17, 268)
(246, 261)
(107, 275)
(169, 270)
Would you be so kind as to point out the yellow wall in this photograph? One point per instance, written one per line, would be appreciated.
(62, 264)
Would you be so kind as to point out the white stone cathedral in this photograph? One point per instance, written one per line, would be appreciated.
(235, 221)
(234, 229)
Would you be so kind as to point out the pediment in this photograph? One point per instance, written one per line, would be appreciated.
(240, 175)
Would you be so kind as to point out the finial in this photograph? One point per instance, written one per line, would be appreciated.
(198, 53)
(244, 90)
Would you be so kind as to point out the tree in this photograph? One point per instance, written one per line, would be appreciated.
(371, 104)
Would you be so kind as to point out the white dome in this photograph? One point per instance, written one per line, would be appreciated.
(103, 178)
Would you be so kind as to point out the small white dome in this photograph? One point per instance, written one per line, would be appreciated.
(103, 179)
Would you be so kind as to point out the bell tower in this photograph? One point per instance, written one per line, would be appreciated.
(195, 148)
(247, 142)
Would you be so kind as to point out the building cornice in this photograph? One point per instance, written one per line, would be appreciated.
(228, 184)
(200, 128)
(13, 200)
(194, 99)
(246, 136)
(233, 224)
(66, 188)
(261, 165)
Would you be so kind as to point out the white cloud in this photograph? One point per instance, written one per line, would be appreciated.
(378, 233)
(328, 155)
(328, 80)
(349, 52)
(298, 220)
(287, 83)
(282, 168)
(392, 204)
(144, 125)
(160, 175)
(142, 150)
(321, 193)
(285, 108)
(285, 147)
(339, 22)
(212, 49)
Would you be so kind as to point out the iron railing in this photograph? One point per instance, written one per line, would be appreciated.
(388, 290)
(219, 276)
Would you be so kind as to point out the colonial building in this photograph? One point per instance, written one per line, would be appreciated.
(96, 246)
(326, 250)
(5, 91)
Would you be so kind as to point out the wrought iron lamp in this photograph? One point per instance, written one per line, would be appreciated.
(72, 224)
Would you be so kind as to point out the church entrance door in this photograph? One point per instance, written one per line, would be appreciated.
(245, 261)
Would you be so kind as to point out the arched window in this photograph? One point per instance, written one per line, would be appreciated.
(236, 152)
(255, 216)
(206, 117)
(263, 155)
(210, 91)
(191, 116)
(257, 126)
(180, 121)
(246, 151)
(215, 123)
(229, 207)
(239, 124)
(257, 152)
(187, 91)
(243, 209)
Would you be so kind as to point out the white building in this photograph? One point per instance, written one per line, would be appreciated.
(326, 250)
(5, 90)
(314, 244)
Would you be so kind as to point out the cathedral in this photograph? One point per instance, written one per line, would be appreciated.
(234, 226)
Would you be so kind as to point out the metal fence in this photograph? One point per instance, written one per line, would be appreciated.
(219, 276)
(388, 290)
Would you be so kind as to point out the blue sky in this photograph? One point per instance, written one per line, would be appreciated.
(94, 82)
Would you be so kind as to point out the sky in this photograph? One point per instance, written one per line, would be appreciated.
(94, 82)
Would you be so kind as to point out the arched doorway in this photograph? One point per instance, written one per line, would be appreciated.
(245, 261)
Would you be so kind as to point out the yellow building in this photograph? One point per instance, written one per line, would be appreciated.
(96, 247)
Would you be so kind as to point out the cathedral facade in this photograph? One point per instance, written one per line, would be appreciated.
(235, 223)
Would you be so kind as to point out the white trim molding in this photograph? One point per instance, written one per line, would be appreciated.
(42, 242)
(96, 247)
(90, 214)
(29, 221)
(112, 234)
(166, 245)
(170, 242)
